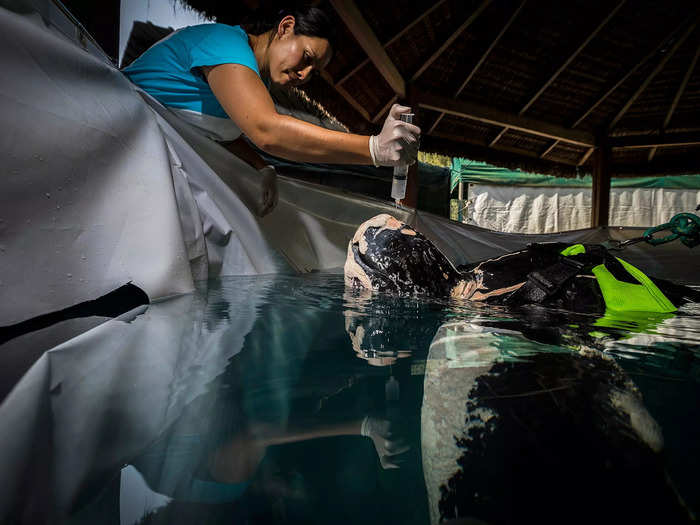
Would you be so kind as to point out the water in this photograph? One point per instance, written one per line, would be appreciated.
(246, 403)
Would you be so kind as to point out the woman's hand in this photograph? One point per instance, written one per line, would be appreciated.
(268, 185)
(387, 443)
(397, 143)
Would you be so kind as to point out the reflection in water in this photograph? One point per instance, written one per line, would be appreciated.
(522, 438)
(383, 331)
(292, 400)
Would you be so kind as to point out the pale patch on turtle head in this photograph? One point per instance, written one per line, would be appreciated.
(381, 221)
(355, 275)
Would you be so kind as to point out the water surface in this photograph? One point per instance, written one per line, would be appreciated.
(246, 403)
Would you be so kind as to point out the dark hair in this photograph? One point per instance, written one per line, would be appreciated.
(309, 21)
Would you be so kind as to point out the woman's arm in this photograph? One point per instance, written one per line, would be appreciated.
(246, 100)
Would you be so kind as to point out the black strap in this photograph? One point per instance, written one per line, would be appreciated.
(542, 284)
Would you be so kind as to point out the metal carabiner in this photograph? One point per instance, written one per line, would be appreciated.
(612, 245)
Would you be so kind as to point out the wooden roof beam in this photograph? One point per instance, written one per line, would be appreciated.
(549, 149)
(626, 76)
(655, 141)
(676, 99)
(622, 81)
(347, 96)
(392, 40)
(585, 156)
(570, 59)
(508, 149)
(481, 61)
(484, 4)
(386, 107)
(350, 14)
(660, 66)
(502, 118)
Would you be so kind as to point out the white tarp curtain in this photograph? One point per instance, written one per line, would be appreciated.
(521, 209)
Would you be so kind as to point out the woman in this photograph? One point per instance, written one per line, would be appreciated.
(216, 76)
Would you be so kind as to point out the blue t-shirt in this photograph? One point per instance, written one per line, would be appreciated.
(167, 71)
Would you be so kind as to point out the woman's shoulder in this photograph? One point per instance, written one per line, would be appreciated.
(213, 44)
(210, 31)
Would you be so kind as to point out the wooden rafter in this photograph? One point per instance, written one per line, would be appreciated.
(660, 66)
(585, 156)
(441, 50)
(549, 149)
(508, 149)
(681, 88)
(570, 59)
(386, 107)
(502, 118)
(617, 84)
(358, 26)
(645, 132)
(498, 137)
(447, 43)
(347, 96)
(626, 76)
(392, 40)
(676, 99)
(656, 141)
(481, 61)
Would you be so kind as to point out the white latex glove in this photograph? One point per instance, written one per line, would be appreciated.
(387, 445)
(397, 143)
(268, 184)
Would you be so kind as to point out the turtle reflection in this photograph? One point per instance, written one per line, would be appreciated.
(515, 432)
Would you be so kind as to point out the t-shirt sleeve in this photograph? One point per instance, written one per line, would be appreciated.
(223, 45)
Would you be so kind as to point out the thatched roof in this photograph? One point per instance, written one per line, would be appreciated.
(531, 83)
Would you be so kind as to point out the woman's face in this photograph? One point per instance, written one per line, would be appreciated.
(294, 58)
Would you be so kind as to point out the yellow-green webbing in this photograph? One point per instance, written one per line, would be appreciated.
(620, 296)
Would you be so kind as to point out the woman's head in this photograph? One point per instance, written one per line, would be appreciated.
(299, 44)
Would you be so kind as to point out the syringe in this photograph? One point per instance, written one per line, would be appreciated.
(398, 184)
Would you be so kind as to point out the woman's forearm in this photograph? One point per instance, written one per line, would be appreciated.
(305, 430)
(246, 100)
(300, 141)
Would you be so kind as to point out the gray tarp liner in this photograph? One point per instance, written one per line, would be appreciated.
(102, 186)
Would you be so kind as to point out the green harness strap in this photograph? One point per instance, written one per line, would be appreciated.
(620, 296)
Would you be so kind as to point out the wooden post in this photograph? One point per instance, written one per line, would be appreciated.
(460, 198)
(601, 185)
(411, 199)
